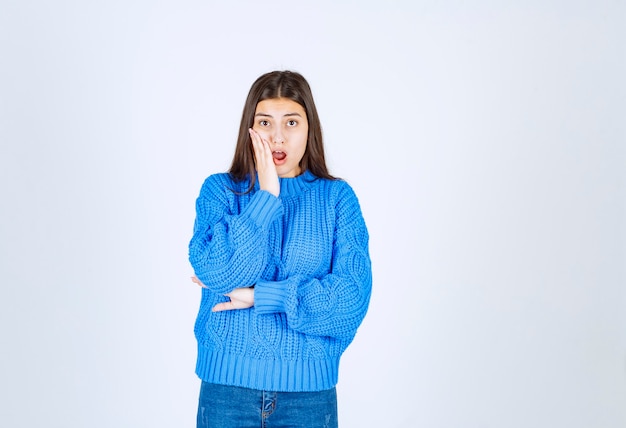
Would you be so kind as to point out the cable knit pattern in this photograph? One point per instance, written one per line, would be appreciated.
(306, 253)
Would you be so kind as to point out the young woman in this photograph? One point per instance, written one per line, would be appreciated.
(281, 251)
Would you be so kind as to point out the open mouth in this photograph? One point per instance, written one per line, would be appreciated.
(279, 155)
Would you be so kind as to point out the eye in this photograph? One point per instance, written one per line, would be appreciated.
(264, 122)
(292, 123)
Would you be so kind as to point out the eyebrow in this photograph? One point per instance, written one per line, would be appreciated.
(269, 115)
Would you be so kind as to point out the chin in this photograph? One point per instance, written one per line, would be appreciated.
(287, 172)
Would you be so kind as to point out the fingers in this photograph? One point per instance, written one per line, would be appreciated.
(264, 163)
(197, 281)
(262, 152)
(230, 305)
(224, 306)
(239, 298)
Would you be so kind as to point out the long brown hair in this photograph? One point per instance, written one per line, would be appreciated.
(279, 84)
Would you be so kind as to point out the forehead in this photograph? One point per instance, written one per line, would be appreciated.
(279, 106)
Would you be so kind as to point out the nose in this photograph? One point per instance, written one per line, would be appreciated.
(278, 137)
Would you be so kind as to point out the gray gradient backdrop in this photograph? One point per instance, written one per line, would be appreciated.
(486, 144)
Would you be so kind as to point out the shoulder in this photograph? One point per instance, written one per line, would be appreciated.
(337, 193)
(217, 180)
(221, 184)
(340, 189)
(328, 184)
(346, 205)
(343, 187)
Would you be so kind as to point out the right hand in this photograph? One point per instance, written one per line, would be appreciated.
(264, 162)
(195, 280)
(239, 298)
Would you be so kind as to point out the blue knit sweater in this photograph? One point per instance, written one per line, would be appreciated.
(306, 253)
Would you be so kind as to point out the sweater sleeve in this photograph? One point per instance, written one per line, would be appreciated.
(335, 304)
(226, 250)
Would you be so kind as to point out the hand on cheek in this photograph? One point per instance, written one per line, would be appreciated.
(264, 162)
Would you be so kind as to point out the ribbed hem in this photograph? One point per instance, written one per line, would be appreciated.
(263, 208)
(270, 296)
(267, 375)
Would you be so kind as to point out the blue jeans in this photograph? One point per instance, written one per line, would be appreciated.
(223, 406)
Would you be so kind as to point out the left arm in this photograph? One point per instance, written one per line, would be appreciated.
(335, 304)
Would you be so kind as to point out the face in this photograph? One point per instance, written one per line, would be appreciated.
(283, 123)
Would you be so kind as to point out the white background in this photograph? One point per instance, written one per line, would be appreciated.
(486, 144)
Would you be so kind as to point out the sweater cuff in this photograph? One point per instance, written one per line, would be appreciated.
(264, 208)
(270, 297)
